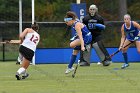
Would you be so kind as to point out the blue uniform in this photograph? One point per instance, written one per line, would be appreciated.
(87, 37)
(131, 32)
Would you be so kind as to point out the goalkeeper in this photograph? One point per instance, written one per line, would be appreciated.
(130, 33)
(95, 24)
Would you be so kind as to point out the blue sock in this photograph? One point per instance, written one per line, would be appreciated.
(72, 60)
(125, 58)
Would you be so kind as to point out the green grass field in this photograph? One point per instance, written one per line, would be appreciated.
(50, 78)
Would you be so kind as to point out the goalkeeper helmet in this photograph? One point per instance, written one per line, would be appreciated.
(93, 9)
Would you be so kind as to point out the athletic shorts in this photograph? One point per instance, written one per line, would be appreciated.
(133, 39)
(26, 52)
(87, 39)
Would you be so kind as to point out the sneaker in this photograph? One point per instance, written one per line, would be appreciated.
(68, 70)
(18, 76)
(124, 66)
(17, 63)
(25, 76)
(106, 63)
(99, 63)
(84, 63)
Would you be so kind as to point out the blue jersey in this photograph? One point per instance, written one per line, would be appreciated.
(131, 32)
(87, 37)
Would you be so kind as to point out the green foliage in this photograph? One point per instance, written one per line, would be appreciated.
(133, 11)
(51, 11)
(54, 11)
(54, 38)
(8, 7)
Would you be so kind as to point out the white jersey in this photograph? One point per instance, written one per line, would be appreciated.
(31, 40)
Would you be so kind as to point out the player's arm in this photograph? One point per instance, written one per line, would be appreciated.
(23, 34)
(137, 26)
(122, 37)
(78, 27)
(38, 39)
(101, 20)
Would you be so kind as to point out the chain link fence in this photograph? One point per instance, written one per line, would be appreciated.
(53, 34)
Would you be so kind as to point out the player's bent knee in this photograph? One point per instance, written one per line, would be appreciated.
(75, 52)
(124, 50)
(72, 45)
(139, 51)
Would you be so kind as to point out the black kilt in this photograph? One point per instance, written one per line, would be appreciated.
(26, 52)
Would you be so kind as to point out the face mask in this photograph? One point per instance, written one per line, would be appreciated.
(92, 10)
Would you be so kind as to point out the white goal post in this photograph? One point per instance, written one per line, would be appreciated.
(78, 1)
(20, 16)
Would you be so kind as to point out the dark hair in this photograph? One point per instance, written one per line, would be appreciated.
(71, 14)
(35, 26)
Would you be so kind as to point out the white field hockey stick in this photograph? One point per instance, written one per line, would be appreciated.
(4, 42)
(11, 42)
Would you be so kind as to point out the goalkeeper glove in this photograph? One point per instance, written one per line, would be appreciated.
(100, 26)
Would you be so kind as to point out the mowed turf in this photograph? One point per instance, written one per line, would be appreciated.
(50, 78)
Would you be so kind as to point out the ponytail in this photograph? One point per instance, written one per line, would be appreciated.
(35, 26)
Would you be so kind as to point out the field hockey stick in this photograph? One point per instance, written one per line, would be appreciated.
(81, 54)
(119, 50)
(73, 75)
(14, 41)
(11, 42)
(5, 42)
(116, 52)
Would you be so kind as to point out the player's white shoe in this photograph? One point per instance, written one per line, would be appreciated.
(25, 76)
(68, 70)
(124, 66)
(99, 63)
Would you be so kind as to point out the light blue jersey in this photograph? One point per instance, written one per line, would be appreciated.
(131, 32)
(87, 37)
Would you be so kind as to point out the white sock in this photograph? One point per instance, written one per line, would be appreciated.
(21, 71)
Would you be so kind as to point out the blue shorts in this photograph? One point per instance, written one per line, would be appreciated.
(87, 40)
(133, 39)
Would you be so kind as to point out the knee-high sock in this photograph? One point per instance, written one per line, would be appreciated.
(21, 70)
(125, 58)
(72, 60)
